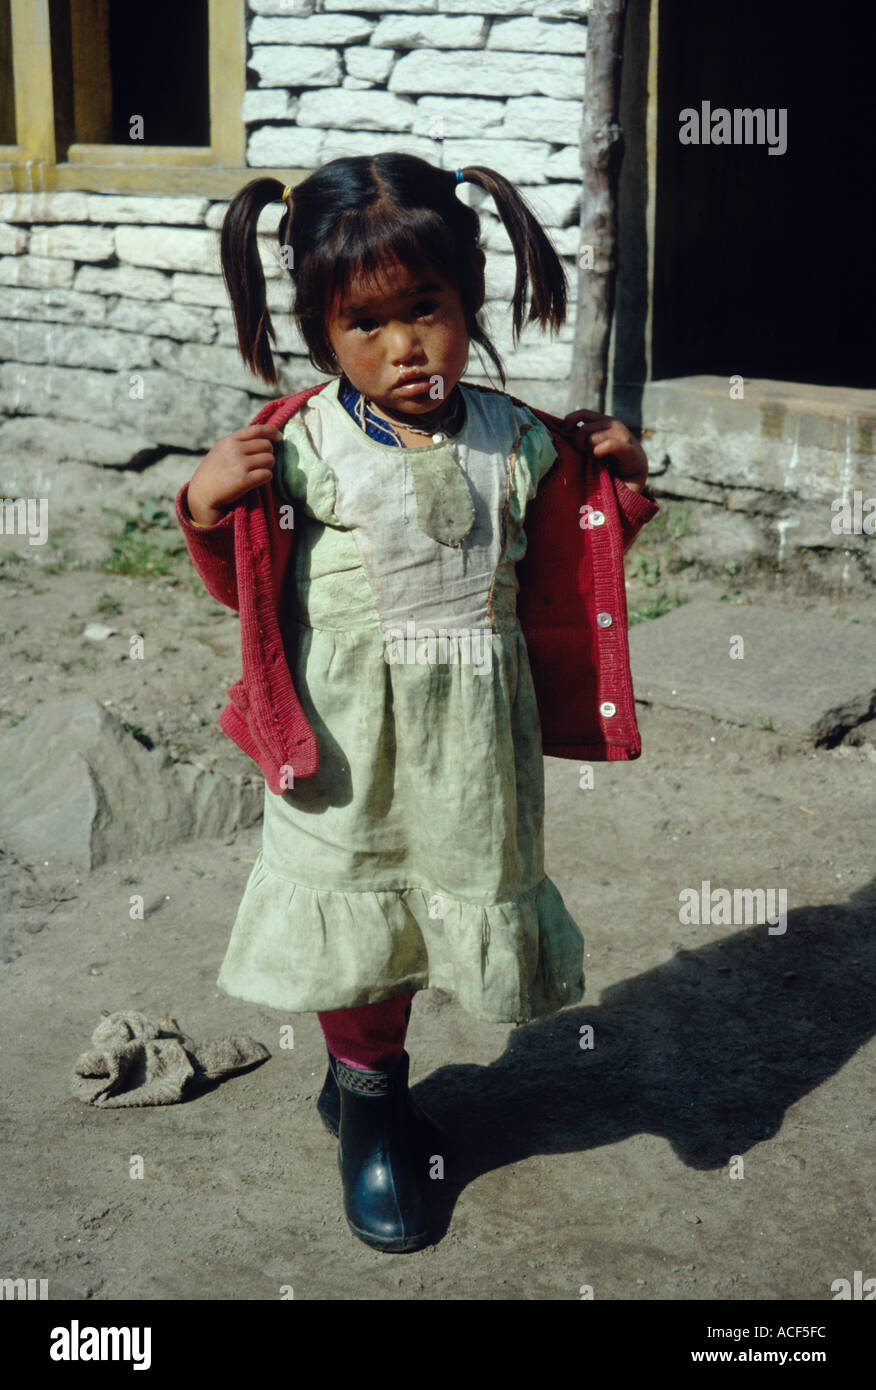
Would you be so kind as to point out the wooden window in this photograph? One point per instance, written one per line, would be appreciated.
(125, 73)
(75, 75)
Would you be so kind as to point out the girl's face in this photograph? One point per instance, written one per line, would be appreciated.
(413, 324)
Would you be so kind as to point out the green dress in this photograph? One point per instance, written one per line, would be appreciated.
(414, 857)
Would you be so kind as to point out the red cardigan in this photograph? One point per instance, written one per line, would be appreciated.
(571, 607)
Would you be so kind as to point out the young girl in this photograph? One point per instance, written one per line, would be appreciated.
(412, 856)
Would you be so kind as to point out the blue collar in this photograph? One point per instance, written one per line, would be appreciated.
(354, 403)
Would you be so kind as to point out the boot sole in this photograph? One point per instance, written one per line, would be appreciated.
(390, 1245)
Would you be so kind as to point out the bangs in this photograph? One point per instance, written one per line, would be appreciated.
(369, 244)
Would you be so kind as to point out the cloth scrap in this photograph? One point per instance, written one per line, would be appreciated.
(135, 1061)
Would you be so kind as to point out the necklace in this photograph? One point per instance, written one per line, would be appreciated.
(437, 436)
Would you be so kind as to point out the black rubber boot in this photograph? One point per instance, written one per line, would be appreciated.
(384, 1178)
(429, 1138)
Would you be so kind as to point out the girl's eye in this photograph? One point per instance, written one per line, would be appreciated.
(422, 309)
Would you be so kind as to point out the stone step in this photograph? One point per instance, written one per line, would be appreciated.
(801, 673)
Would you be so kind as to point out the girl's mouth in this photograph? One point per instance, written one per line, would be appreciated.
(414, 386)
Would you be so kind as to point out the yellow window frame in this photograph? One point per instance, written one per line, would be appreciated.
(216, 170)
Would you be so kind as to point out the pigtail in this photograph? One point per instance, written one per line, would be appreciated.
(243, 274)
(537, 261)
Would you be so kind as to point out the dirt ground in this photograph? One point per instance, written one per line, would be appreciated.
(716, 1141)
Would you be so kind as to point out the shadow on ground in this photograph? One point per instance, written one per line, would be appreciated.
(707, 1051)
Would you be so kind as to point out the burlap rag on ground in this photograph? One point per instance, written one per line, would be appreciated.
(134, 1061)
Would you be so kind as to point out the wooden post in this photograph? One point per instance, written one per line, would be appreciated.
(601, 151)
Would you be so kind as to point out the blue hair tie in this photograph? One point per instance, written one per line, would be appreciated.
(460, 176)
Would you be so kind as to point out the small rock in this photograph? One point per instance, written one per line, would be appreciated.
(96, 632)
(692, 1217)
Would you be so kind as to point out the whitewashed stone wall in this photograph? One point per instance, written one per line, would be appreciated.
(492, 82)
(113, 312)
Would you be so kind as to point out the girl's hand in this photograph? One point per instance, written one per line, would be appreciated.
(607, 436)
(237, 464)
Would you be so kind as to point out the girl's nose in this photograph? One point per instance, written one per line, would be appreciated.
(404, 345)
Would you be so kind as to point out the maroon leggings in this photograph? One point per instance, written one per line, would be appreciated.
(369, 1037)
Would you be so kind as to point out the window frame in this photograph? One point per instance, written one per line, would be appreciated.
(214, 170)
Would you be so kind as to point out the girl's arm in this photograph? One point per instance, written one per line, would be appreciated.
(605, 435)
(625, 459)
(211, 549)
(205, 505)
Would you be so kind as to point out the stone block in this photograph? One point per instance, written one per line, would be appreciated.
(72, 345)
(37, 272)
(290, 147)
(429, 31)
(287, 65)
(169, 248)
(58, 306)
(521, 161)
(368, 64)
(13, 240)
(489, 74)
(43, 207)
(378, 111)
(131, 282)
(336, 29)
(74, 242)
(535, 36)
(145, 208)
(802, 673)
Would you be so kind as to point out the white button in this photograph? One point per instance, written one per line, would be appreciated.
(607, 708)
(597, 518)
(604, 619)
(438, 438)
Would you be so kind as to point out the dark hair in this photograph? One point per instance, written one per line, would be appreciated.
(356, 215)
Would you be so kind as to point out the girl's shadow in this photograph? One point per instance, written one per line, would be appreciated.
(708, 1050)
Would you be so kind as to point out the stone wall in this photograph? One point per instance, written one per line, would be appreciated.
(113, 312)
(769, 475)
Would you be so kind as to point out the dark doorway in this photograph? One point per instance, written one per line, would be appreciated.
(764, 264)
